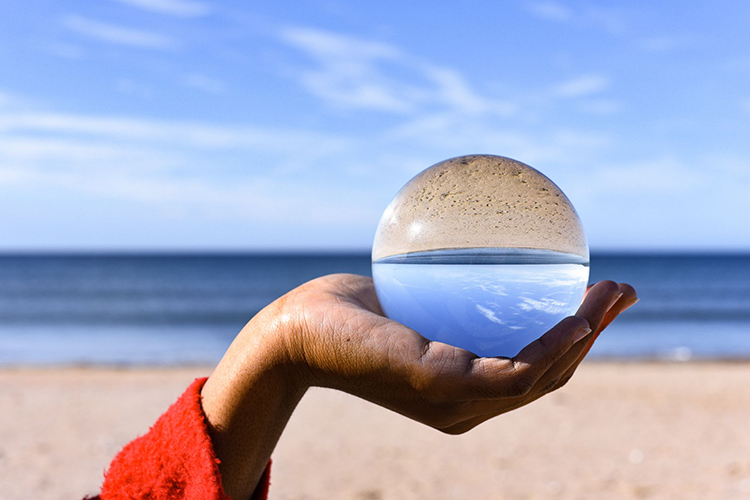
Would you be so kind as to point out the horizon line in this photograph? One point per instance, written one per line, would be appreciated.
(321, 251)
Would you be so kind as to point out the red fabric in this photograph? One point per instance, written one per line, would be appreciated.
(175, 460)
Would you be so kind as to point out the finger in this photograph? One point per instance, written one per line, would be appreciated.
(559, 373)
(627, 300)
(469, 424)
(491, 378)
(481, 411)
(594, 309)
(599, 300)
(601, 307)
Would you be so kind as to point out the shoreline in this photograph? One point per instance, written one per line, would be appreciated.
(166, 367)
(617, 430)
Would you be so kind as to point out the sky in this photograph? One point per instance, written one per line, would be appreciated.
(196, 125)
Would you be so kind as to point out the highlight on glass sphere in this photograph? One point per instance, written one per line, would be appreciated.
(481, 252)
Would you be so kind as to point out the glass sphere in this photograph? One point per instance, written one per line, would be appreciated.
(481, 252)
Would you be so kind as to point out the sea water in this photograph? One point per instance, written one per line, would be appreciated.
(492, 302)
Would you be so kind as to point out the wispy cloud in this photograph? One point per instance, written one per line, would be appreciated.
(329, 46)
(438, 109)
(613, 20)
(609, 19)
(204, 83)
(545, 305)
(660, 175)
(667, 199)
(175, 132)
(489, 314)
(234, 173)
(551, 10)
(667, 43)
(347, 74)
(455, 134)
(454, 91)
(601, 106)
(131, 87)
(112, 33)
(354, 73)
(182, 8)
(582, 86)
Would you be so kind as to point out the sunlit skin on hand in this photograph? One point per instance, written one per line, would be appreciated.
(331, 332)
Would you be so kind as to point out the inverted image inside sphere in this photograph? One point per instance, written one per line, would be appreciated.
(480, 252)
(479, 201)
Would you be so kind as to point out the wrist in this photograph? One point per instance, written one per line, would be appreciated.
(248, 400)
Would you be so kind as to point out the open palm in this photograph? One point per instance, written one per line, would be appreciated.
(344, 341)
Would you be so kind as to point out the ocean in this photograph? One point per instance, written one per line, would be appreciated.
(178, 309)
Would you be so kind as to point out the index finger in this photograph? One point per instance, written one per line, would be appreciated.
(555, 351)
(493, 378)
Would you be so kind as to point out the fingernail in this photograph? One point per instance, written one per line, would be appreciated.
(614, 300)
(631, 305)
(583, 332)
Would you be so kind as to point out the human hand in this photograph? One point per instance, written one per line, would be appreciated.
(331, 332)
(341, 339)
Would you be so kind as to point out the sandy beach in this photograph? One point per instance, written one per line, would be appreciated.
(617, 430)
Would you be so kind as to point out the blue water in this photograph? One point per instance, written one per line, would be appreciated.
(176, 309)
(490, 303)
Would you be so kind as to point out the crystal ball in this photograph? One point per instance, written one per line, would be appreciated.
(481, 252)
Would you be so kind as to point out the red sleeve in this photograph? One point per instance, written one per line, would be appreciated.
(175, 460)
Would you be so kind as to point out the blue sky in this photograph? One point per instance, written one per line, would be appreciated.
(176, 124)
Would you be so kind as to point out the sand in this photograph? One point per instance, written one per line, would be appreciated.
(631, 430)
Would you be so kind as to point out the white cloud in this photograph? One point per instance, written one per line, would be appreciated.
(131, 87)
(180, 8)
(347, 74)
(71, 152)
(453, 90)
(112, 33)
(352, 73)
(249, 199)
(356, 73)
(177, 167)
(198, 135)
(204, 83)
(551, 10)
(329, 46)
(660, 175)
(546, 305)
(89, 146)
(339, 89)
(609, 19)
(667, 43)
(489, 314)
(582, 86)
(454, 134)
(601, 106)
(668, 203)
